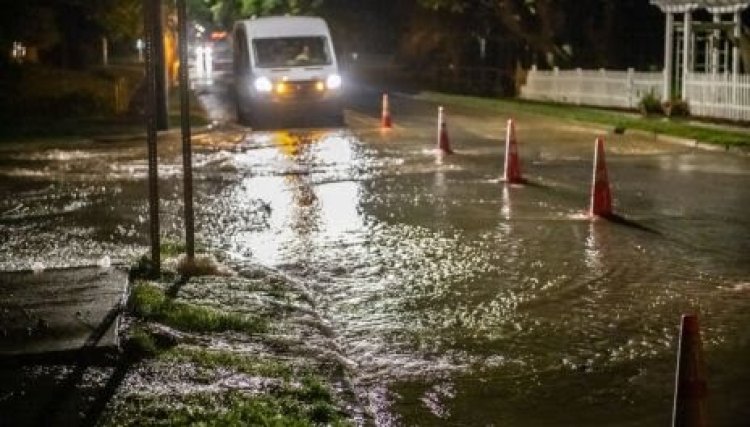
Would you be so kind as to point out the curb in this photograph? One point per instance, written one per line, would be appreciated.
(142, 135)
(692, 143)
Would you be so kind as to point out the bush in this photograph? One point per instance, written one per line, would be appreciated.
(47, 92)
(676, 108)
(650, 105)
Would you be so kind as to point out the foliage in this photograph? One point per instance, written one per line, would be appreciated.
(39, 27)
(215, 359)
(140, 344)
(142, 269)
(58, 93)
(676, 108)
(650, 104)
(67, 32)
(149, 302)
(232, 408)
(224, 12)
(172, 248)
(121, 19)
(583, 33)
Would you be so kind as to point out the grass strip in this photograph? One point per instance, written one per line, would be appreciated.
(225, 409)
(243, 363)
(681, 128)
(150, 303)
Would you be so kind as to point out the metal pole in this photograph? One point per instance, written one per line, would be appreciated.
(162, 86)
(187, 161)
(149, 13)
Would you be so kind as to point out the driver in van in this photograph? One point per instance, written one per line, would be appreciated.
(304, 55)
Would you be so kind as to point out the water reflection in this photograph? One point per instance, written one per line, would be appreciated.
(505, 209)
(309, 191)
(596, 246)
(440, 193)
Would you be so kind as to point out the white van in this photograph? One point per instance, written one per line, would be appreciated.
(285, 66)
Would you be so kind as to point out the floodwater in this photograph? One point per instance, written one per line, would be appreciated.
(460, 300)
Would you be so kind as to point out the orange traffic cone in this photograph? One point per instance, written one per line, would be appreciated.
(385, 121)
(512, 163)
(691, 388)
(444, 143)
(601, 198)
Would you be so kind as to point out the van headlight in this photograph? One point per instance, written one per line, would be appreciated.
(263, 84)
(333, 81)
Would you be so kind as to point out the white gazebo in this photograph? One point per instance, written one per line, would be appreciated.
(716, 42)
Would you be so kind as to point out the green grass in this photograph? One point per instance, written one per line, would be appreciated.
(140, 343)
(172, 248)
(49, 103)
(681, 128)
(226, 409)
(301, 399)
(143, 268)
(149, 302)
(243, 363)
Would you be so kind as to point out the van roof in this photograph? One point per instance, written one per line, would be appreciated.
(284, 26)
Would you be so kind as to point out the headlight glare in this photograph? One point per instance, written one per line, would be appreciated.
(263, 84)
(333, 81)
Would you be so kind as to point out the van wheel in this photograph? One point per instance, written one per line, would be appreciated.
(243, 117)
(255, 121)
(336, 118)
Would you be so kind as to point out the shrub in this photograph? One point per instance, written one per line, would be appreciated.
(650, 104)
(59, 93)
(676, 108)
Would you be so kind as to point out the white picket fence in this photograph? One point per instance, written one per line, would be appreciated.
(724, 96)
(605, 88)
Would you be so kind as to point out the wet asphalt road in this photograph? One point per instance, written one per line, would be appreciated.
(462, 301)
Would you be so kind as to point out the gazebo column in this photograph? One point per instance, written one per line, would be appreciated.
(736, 60)
(687, 53)
(668, 56)
(714, 45)
(735, 45)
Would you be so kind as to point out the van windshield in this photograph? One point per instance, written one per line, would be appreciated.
(291, 52)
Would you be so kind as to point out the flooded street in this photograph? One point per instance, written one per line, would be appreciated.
(459, 299)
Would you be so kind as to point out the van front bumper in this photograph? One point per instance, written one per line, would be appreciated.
(295, 104)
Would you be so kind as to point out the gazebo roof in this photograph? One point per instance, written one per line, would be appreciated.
(713, 6)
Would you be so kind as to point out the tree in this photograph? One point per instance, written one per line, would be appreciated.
(120, 19)
(566, 32)
(225, 12)
(34, 24)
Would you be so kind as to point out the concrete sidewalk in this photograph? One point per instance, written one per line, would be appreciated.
(58, 311)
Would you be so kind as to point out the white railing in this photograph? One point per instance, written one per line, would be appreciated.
(605, 88)
(725, 95)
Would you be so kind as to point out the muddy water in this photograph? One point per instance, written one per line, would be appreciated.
(465, 301)
(461, 300)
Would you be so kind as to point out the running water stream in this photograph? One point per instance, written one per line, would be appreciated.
(461, 300)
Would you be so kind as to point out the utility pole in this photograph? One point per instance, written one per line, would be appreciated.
(156, 29)
(150, 14)
(105, 51)
(187, 161)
